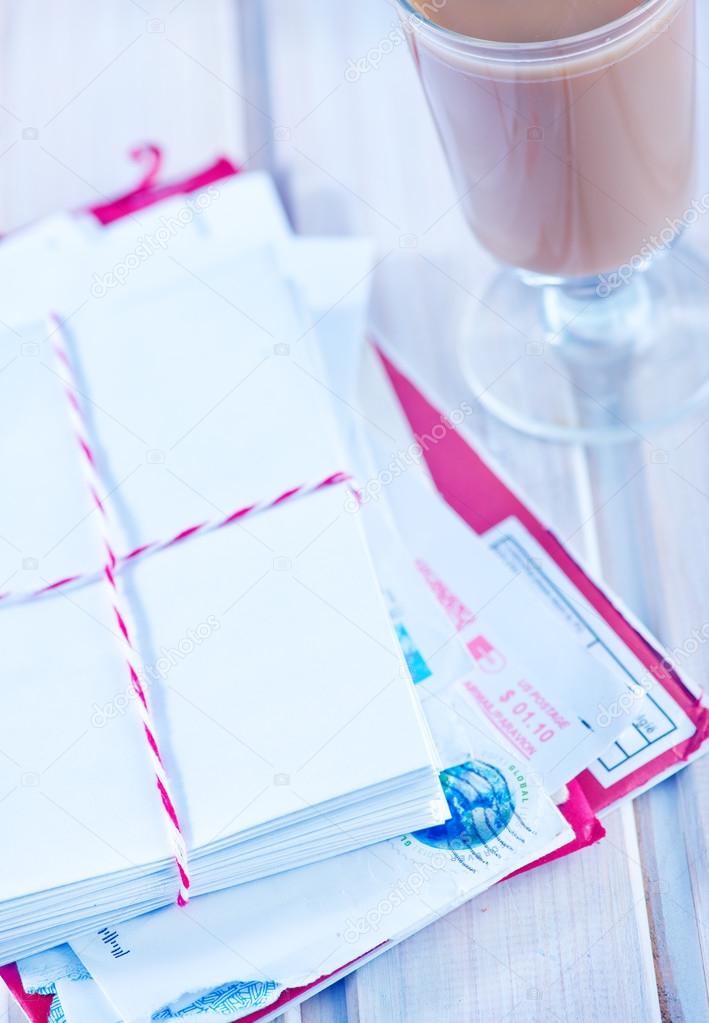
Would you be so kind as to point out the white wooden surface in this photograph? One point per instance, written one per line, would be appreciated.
(619, 932)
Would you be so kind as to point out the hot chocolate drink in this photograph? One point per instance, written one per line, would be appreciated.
(570, 152)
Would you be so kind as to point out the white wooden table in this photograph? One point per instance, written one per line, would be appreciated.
(619, 932)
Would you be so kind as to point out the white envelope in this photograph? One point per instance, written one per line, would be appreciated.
(197, 409)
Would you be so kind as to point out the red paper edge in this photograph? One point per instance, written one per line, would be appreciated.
(147, 195)
(35, 1007)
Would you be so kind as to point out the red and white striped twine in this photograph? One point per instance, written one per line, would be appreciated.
(112, 566)
(200, 529)
(120, 611)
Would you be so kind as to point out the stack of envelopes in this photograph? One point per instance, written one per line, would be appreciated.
(367, 713)
(280, 699)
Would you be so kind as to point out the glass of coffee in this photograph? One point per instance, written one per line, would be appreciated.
(570, 131)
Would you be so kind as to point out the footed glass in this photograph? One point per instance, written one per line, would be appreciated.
(575, 164)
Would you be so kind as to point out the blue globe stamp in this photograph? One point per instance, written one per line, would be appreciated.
(481, 805)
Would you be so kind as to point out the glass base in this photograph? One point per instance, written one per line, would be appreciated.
(600, 361)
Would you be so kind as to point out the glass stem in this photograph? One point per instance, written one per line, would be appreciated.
(590, 314)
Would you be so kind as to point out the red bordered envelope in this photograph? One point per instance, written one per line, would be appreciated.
(675, 726)
(668, 735)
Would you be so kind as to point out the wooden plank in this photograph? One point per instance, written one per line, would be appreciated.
(672, 821)
(497, 958)
(81, 84)
(328, 1007)
(362, 156)
(16, 1015)
(292, 1016)
(672, 825)
(9, 1011)
(647, 518)
(652, 505)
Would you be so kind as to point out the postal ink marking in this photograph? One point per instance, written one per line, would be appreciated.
(481, 806)
(110, 938)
